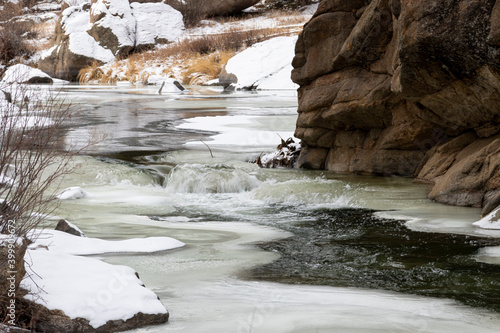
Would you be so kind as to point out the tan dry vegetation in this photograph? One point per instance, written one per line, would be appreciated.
(203, 68)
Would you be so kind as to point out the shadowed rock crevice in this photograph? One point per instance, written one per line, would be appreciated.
(408, 88)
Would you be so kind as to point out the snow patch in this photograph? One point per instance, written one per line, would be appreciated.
(266, 65)
(234, 130)
(66, 243)
(490, 221)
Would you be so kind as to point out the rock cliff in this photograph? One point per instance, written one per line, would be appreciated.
(404, 87)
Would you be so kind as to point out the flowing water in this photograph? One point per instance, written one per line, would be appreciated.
(270, 250)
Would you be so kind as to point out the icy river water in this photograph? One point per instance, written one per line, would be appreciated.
(270, 250)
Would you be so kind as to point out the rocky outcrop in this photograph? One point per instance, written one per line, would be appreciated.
(410, 88)
(105, 30)
(203, 8)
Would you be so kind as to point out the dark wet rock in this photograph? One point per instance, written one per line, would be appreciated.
(69, 228)
(203, 8)
(56, 321)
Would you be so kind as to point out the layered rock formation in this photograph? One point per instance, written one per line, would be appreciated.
(404, 87)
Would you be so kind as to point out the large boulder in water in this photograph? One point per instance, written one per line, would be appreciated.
(407, 88)
(107, 29)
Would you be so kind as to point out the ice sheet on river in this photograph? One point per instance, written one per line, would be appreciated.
(63, 242)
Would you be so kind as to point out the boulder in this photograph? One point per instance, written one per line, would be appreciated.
(25, 74)
(45, 320)
(105, 30)
(265, 65)
(74, 48)
(69, 228)
(203, 8)
(407, 88)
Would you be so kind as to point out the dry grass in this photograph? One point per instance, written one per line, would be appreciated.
(203, 68)
(232, 40)
(95, 73)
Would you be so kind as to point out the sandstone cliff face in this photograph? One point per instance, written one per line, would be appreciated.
(404, 87)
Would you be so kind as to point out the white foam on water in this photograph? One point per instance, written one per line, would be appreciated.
(219, 178)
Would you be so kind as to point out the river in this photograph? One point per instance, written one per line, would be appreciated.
(269, 250)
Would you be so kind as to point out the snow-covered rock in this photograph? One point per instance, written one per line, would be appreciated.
(99, 292)
(25, 74)
(266, 65)
(157, 80)
(107, 29)
(286, 155)
(108, 297)
(490, 221)
(167, 84)
(156, 23)
(113, 26)
(75, 48)
(72, 193)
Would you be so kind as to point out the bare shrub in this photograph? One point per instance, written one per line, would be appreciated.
(33, 160)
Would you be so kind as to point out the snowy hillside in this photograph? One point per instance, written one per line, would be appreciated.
(192, 55)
